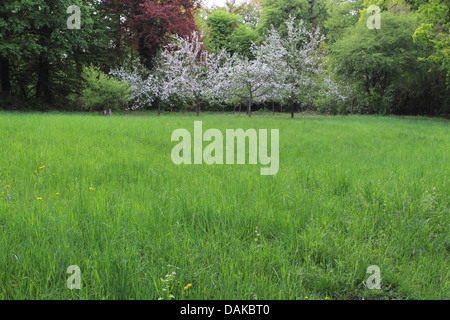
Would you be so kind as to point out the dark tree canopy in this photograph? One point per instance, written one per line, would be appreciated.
(149, 24)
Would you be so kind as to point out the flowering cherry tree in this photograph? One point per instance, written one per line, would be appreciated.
(285, 69)
(289, 70)
(274, 54)
(141, 82)
(184, 69)
(252, 80)
(303, 62)
(218, 86)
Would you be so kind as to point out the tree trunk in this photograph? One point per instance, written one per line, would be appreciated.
(78, 64)
(43, 67)
(22, 87)
(118, 43)
(158, 101)
(240, 107)
(273, 108)
(249, 110)
(234, 108)
(43, 83)
(5, 78)
(197, 106)
(294, 107)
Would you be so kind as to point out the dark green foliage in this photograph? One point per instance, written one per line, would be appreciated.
(276, 12)
(340, 17)
(227, 31)
(222, 25)
(41, 59)
(241, 40)
(384, 64)
(434, 33)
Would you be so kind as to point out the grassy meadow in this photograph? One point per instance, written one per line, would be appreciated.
(102, 193)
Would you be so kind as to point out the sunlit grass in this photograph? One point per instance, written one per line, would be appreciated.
(102, 193)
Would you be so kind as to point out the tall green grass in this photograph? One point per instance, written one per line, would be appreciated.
(350, 192)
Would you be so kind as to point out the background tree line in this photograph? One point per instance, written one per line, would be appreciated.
(402, 68)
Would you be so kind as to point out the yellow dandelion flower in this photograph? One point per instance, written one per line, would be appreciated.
(185, 288)
(42, 167)
(39, 198)
(306, 297)
(7, 186)
(189, 285)
(57, 193)
(326, 298)
(90, 188)
(35, 171)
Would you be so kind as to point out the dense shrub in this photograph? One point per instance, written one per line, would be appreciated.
(102, 91)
